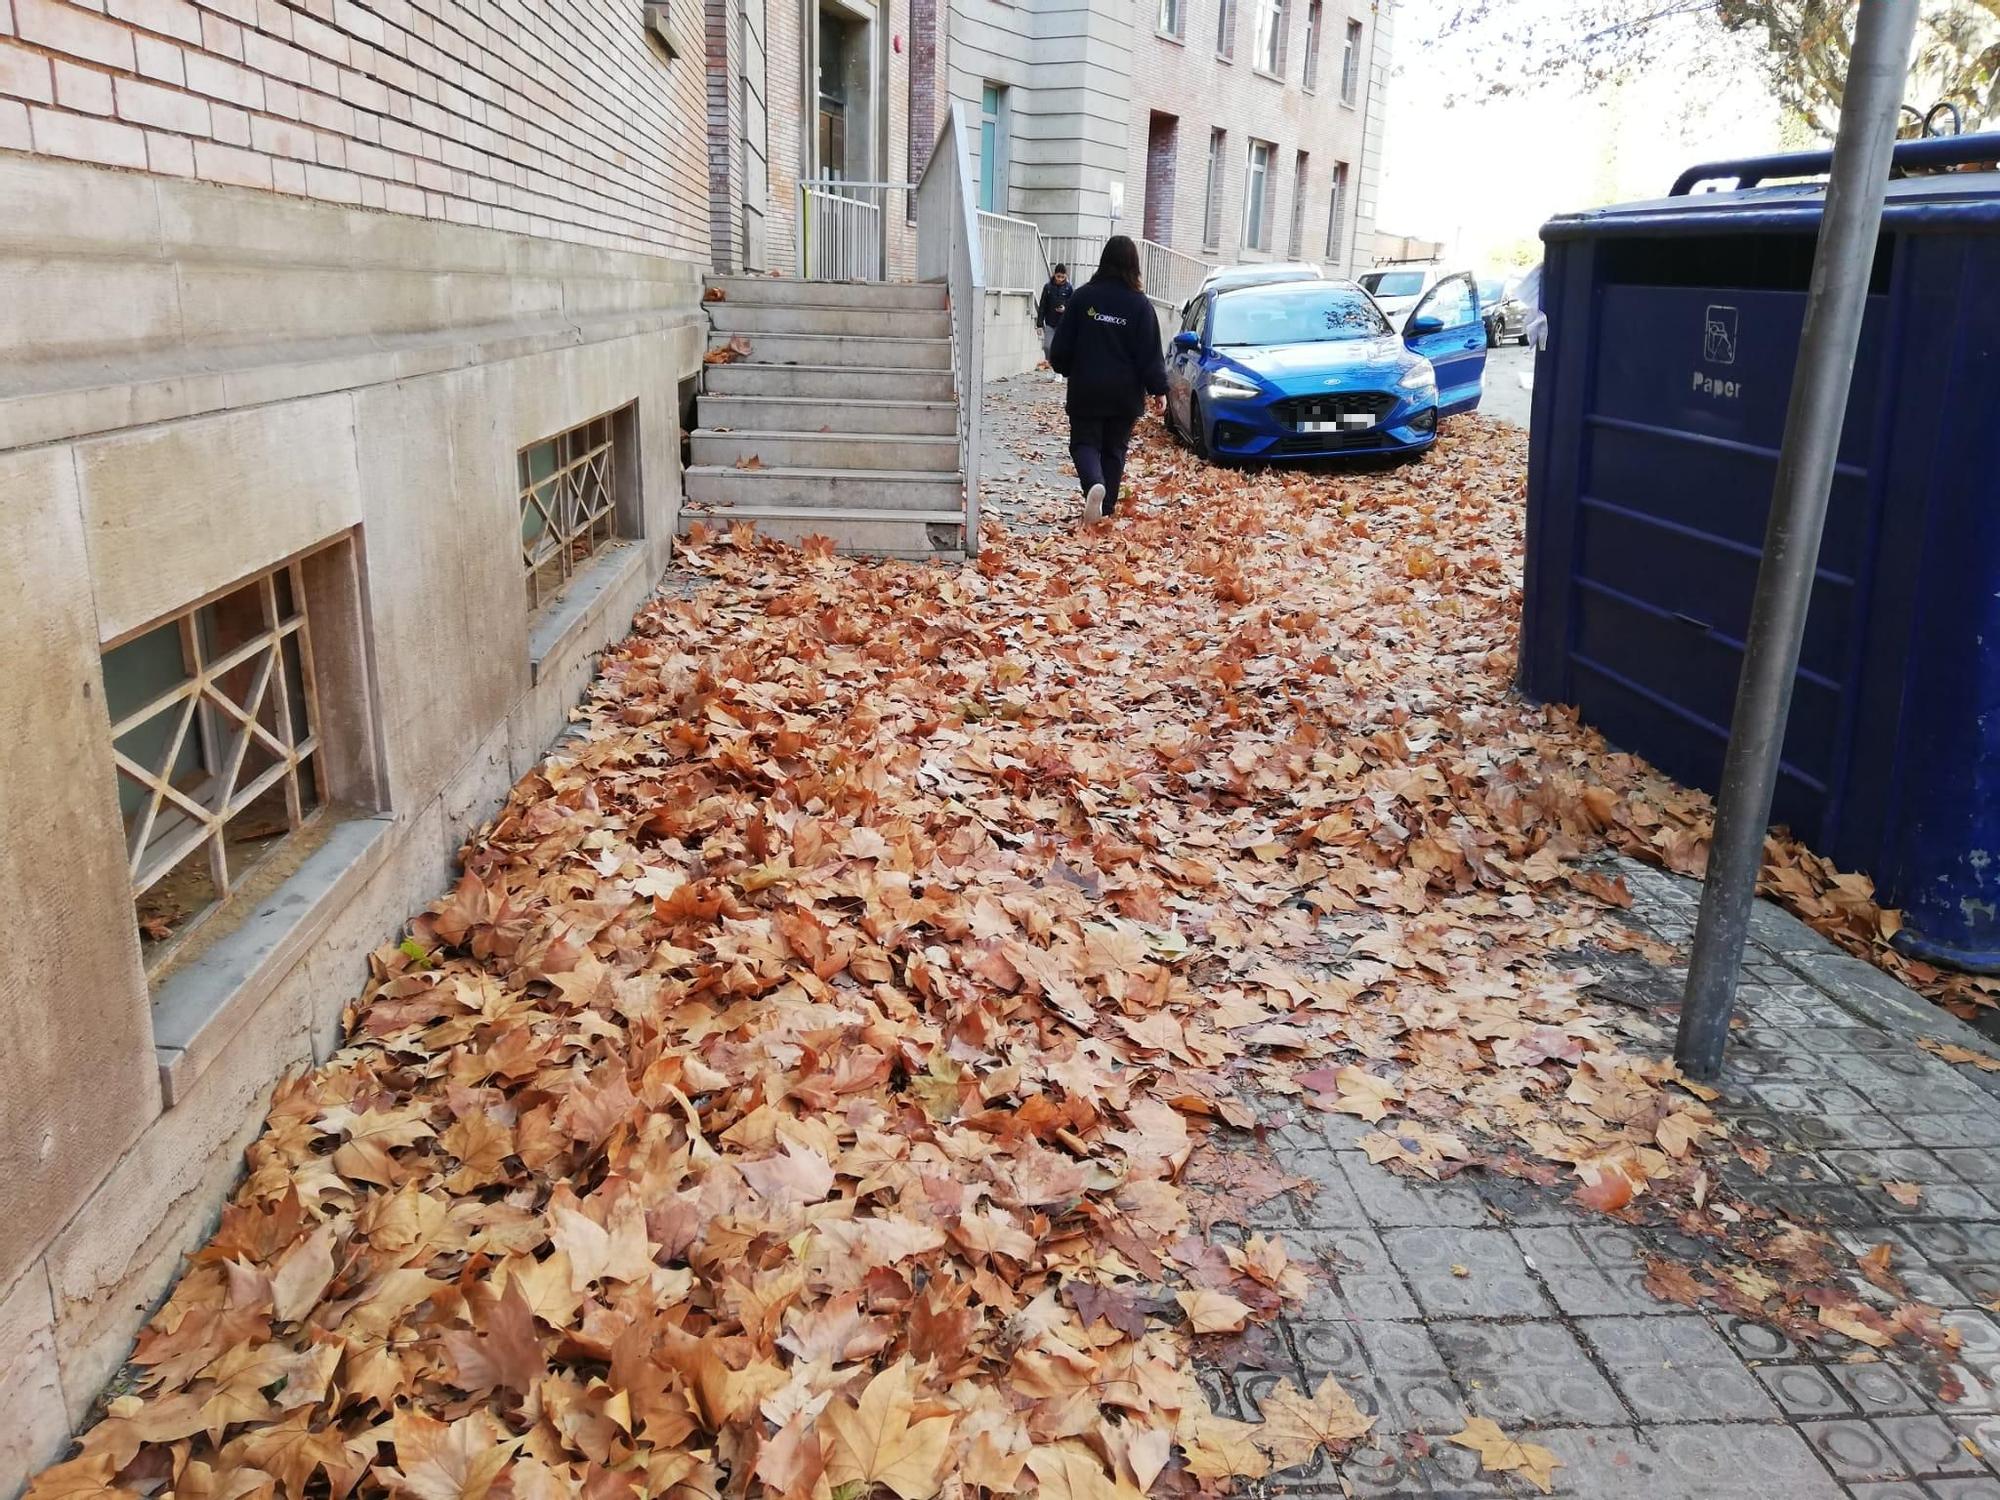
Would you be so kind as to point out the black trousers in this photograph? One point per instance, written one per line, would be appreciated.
(1097, 448)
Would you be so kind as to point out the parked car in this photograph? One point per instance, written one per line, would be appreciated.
(1397, 288)
(1504, 314)
(1223, 277)
(1312, 368)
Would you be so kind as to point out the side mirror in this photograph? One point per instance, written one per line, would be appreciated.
(1425, 323)
(1187, 341)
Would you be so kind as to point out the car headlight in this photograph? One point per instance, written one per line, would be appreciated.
(1228, 385)
(1418, 380)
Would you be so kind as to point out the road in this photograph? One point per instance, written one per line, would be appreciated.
(1507, 395)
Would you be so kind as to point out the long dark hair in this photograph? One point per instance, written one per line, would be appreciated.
(1119, 262)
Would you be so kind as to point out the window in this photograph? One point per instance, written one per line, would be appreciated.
(1225, 30)
(215, 734)
(1257, 198)
(1312, 46)
(992, 148)
(1306, 313)
(569, 504)
(1350, 63)
(1272, 19)
(1173, 18)
(1300, 167)
(1452, 302)
(1211, 201)
(1162, 152)
(1336, 208)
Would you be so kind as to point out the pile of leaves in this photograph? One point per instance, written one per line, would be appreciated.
(814, 1086)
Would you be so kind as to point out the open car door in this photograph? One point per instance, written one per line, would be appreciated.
(1445, 328)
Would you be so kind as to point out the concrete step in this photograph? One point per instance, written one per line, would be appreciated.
(824, 383)
(926, 536)
(826, 450)
(824, 489)
(789, 414)
(821, 317)
(845, 349)
(783, 289)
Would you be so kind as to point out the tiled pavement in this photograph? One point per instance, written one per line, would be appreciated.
(1495, 1298)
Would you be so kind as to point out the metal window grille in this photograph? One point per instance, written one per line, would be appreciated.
(568, 504)
(214, 732)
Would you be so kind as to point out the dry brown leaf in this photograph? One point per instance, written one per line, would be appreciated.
(875, 1440)
(1501, 1454)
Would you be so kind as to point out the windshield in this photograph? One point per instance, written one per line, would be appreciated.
(1490, 291)
(1394, 283)
(1227, 279)
(1295, 315)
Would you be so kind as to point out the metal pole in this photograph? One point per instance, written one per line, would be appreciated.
(1835, 302)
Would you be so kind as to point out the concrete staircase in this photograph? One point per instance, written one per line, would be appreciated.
(841, 420)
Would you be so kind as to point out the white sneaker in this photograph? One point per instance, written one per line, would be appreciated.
(1093, 504)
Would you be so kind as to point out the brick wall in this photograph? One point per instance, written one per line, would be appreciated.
(1188, 80)
(549, 117)
(725, 129)
(784, 68)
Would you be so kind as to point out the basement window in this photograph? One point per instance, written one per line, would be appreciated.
(215, 734)
(573, 500)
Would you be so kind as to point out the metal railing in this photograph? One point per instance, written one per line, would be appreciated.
(949, 233)
(1170, 275)
(844, 227)
(1012, 252)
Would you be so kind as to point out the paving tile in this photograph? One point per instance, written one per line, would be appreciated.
(1600, 1461)
(1927, 1445)
(1527, 1372)
(1416, 1388)
(1975, 1487)
(1393, 1202)
(1588, 1271)
(1893, 1489)
(1351, 1271)
(1959, 1130)
(1855, 1450)
(1753, 1340)
(1879, 1390)
(1805, 1390)
(1497, 1282)
(1972, 1166)
(1676, 1369)
(1732, 1461)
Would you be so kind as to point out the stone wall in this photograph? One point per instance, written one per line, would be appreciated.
(199, 383)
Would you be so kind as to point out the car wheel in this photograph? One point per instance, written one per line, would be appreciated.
(1492, 336)
(1198, 430)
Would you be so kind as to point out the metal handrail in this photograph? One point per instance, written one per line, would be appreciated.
(844, 228)
(1749, 171)
(949, 250)
(1015, 258)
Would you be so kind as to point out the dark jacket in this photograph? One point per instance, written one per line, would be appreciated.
(1108, 344)
(1055, 301)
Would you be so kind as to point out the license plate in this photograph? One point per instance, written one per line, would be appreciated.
(1347, 422)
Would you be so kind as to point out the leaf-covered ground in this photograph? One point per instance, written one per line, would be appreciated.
(825, 1075)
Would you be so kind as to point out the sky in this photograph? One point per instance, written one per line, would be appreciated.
(1484, 176)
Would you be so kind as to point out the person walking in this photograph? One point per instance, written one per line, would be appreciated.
(1055, 301)
(1108, 347)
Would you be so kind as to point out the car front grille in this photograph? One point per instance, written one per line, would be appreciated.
(1332, 406)
(1330, 442)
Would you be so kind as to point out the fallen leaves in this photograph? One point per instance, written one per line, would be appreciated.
(1501, 1454)
(830, 1063)
(1960, 1056)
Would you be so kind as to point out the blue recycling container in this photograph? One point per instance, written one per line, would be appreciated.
(1659, 406)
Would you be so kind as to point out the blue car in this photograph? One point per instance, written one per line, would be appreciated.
(1311, 369)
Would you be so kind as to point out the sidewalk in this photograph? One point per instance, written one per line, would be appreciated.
(1489, 1296)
